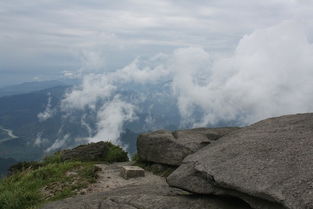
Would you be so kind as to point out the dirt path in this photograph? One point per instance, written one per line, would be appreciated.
(111, 191)
(109, 178)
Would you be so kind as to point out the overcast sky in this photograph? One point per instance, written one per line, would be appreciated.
(42, 39)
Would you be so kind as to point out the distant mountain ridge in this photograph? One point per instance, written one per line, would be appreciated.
(5, 164)
(29, 87)
(19, 114)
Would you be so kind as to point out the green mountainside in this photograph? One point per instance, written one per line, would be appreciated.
(60, 175)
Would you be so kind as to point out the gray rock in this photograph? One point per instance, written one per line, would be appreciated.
(145, 197)
(268, 164)
(92, 152)
(128, 172)
(171, 148)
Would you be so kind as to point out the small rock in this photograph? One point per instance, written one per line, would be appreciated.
(132, 172)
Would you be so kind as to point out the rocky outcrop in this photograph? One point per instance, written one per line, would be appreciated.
(100, 151)
(268, 164)
(145, 197)
(167, 147)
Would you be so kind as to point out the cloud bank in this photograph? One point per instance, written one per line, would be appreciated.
(270, 73)
(43, 39)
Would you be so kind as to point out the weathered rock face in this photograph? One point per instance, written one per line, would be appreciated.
(268, 164)
(99, 151)
(171, 148)
(88, 152)
(147, 197)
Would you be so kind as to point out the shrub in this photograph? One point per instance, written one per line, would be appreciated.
(115, 154)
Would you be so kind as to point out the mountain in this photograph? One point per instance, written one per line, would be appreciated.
(5, 164)
(18, 115)
(28, 87)
(24, 136)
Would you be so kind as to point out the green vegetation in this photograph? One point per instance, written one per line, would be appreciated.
(115, 154)
(31, 184)
(157, 169)
(100, 151)
(22, 166)
(55, 158)
(31, 187)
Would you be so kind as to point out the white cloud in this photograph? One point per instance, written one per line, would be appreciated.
(111, 118)
(48, 112)
(59, 143)
(39, 141)
(86, 95)
(269, 73)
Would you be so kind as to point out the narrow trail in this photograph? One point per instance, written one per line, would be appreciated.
(109, 178)
(111, 191)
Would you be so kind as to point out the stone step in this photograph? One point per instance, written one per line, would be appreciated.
(128, 172)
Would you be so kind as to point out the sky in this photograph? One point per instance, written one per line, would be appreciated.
(50, 39)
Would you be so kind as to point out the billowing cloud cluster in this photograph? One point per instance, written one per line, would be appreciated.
(111, 118)
(270, 73)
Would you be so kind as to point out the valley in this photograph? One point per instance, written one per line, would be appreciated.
(6, 134)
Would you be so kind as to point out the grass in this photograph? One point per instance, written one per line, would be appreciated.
(30, 188)
(115, 154)
(31, 184)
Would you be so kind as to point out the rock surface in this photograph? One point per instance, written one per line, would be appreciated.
(268, 164)
(149, 192)
(145, 197)
(128, 172)
(171, 148)
(89, 152)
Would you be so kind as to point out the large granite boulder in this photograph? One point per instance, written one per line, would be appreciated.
(167, 147)
(145, 197)
(268, 164)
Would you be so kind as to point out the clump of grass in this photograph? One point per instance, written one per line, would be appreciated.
(29, 188)
(54, 158)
